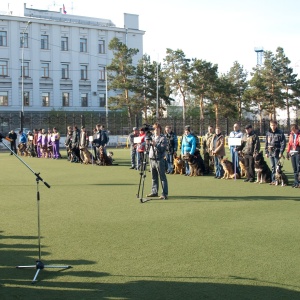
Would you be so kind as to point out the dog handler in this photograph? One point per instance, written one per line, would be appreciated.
(157, 154)
(274, 147)
(250, 145)
(293, 153)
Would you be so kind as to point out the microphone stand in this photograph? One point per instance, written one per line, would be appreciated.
(39, 264)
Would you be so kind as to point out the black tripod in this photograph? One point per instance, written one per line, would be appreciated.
(39, 264)
(143, 171)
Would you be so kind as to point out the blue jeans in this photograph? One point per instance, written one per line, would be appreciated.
(296, 168)
(158, 174)
(218, 166)
(273, 161)
(169, 158)
(235, 160)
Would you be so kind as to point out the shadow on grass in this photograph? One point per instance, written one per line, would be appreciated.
(134, 290)
(89, 284)
(232, 198)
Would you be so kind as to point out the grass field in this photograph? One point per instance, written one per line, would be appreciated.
(212, 239)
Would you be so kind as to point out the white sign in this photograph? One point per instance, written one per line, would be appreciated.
(137, 140)
(234, 141)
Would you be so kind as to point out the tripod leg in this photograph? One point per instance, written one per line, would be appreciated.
(143, 167)
(35, 276)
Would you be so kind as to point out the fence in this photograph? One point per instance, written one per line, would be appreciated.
(119, 124)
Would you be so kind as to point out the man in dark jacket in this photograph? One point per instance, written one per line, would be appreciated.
(172, 144)
(250, 145)
(13, 137)
(275, 146)
(75, 145)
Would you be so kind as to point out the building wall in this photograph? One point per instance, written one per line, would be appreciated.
(55, 26)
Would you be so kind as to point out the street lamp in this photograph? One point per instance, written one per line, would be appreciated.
(22, 79)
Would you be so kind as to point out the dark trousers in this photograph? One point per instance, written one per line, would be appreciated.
(158, 174)
(295, 164)
(273, 161)
(249, 165)
(13, 147)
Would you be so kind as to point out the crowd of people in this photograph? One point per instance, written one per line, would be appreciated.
(243, 145)
(165, 146)
(45, 144)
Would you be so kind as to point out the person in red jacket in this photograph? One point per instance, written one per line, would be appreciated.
(293, 152)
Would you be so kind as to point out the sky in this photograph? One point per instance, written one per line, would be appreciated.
(217, 31)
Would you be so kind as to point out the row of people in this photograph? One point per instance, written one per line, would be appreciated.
(245, 144)
(38, 143)
(77, 141)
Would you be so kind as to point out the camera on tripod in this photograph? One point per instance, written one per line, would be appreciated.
(148, 130)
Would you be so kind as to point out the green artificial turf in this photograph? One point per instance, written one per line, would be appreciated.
(212, 239)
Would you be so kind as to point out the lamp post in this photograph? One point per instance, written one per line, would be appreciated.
(22, 79)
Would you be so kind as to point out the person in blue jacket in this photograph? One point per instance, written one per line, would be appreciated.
(188, 145)
(22, 138)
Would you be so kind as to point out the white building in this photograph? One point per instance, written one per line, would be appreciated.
(64, 59)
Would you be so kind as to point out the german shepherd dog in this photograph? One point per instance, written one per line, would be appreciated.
(280, 177)
(86, 156)
(196, 163)
(242, 166)
(104, 159)
(22, 149)
(228, 169)
(262, 170)
(178, 165)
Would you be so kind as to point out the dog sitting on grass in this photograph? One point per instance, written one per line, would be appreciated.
(178, 165)
(86, 156)
(228, 169)
(104, 159)
(262, 170)
(22, 149)
(196, 163)
(242, 166)
(280, 177)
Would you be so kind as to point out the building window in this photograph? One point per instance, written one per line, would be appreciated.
(64, 71)
(83, 45)
(45, 99)
(26, 98)
(65, 99)
(84, 99)
(45, 70)
(24, 40)
(101, 46)
(3, 38)
(3, 98)
(3, 68)
(64, 43)
(102, 99)
(44, 42)
(25, 69)
(83, 72)
(101, 73)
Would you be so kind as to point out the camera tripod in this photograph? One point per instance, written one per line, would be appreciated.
(39, 265)
(143, 170)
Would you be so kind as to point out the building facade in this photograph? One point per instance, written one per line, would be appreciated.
(59, 61)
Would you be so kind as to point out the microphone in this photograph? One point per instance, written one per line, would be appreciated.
(4, 137)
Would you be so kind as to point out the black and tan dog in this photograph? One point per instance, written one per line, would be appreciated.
(22, 149)
(280, 177)
(86, 156)
(242, 166)
(104, 159)
(196, 163)
(178, 165)
(263, 172)
(228, 169)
